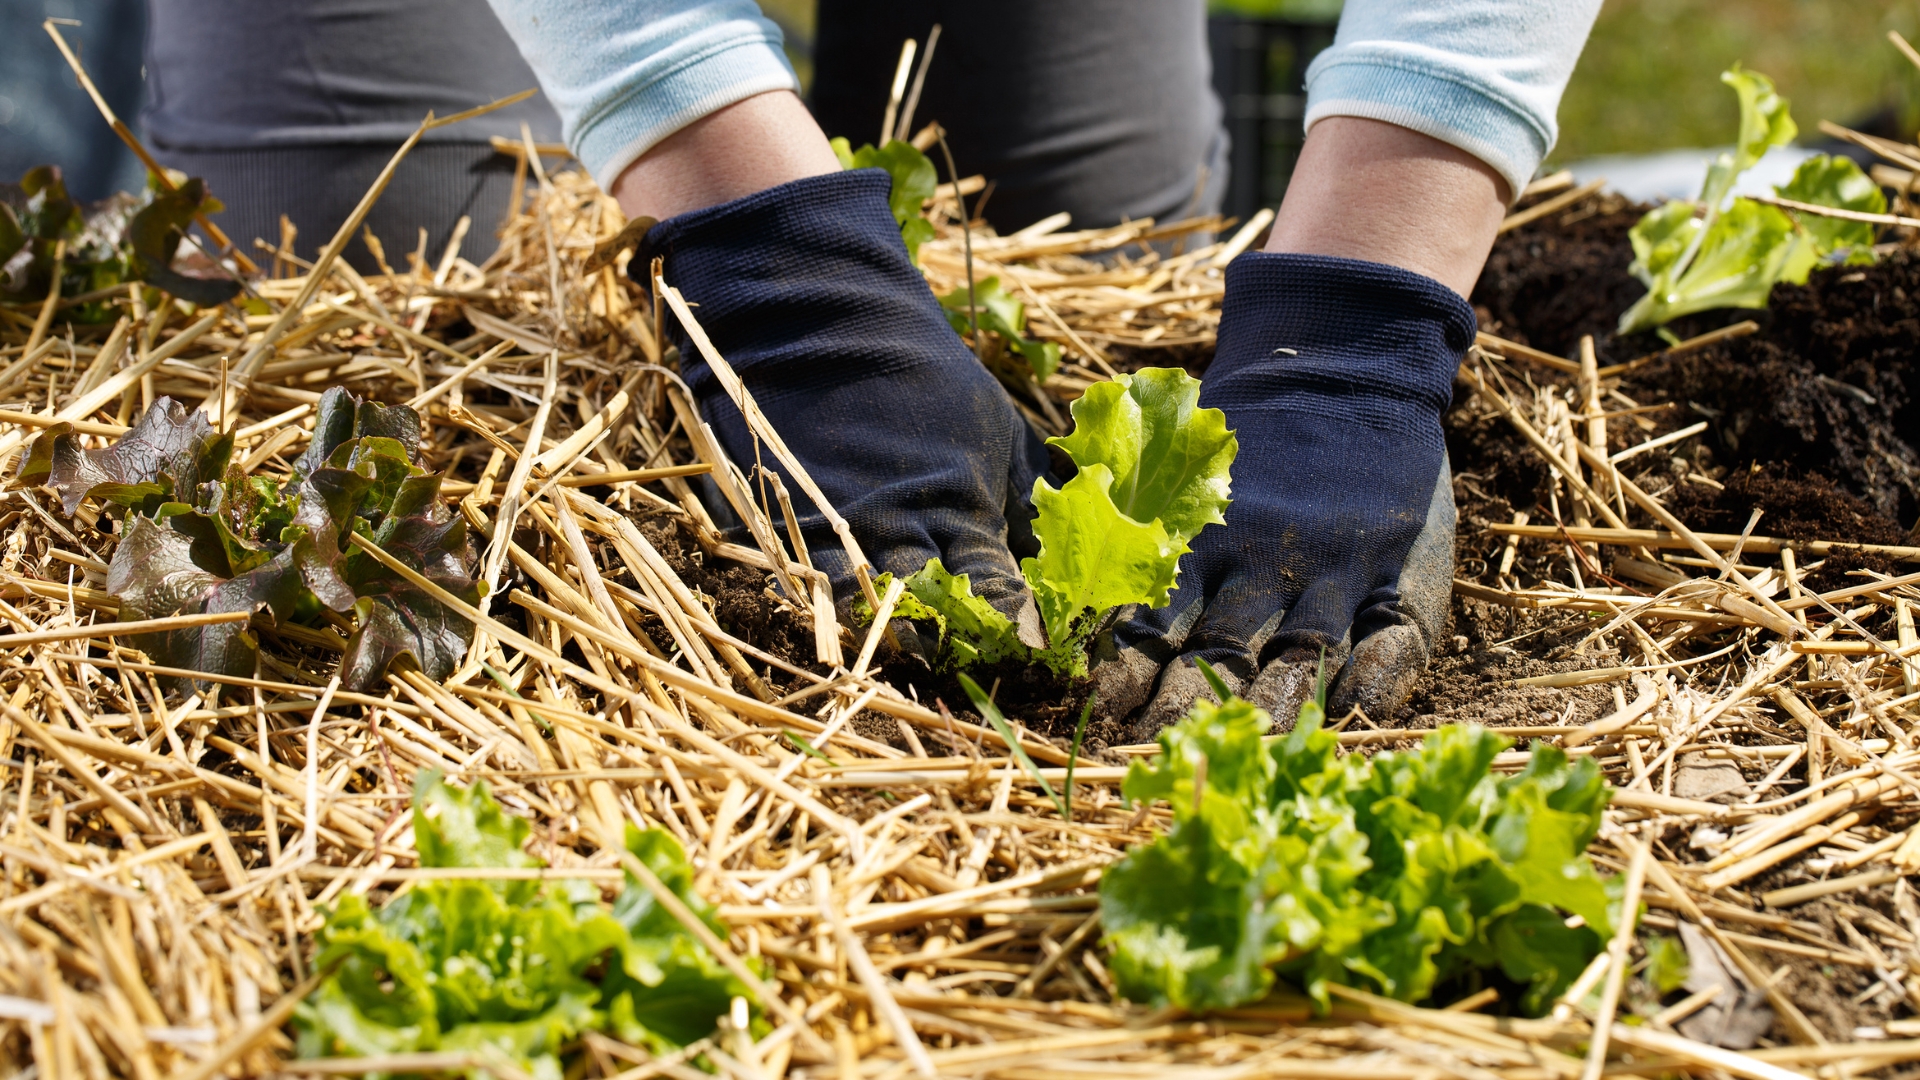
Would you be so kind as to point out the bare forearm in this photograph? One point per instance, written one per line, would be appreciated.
(1370, 190)
(749, 146)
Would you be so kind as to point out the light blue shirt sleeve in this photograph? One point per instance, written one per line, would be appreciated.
(624, 76)
(1483, 75)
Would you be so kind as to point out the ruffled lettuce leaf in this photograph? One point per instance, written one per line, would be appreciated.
(340, 418)
(1168, 456)
(1093, 558)
(1287, 859)
(1697, 256)
(167, 455)
(1742, 254)
(1153, 471)
(1839, 183)
(510, 971)
(397, 617)
(968, 630)
(199, 537)
(1765, 122)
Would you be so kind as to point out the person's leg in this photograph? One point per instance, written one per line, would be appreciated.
(317, 187)
(1101, 108)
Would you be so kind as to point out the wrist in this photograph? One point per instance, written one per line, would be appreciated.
(1369, 190)
(745, 148)
(1335, 337)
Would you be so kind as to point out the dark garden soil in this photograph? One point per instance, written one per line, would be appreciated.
(1811, 420)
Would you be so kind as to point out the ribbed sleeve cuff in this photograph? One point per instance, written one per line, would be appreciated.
(1391, 86)
(740, 68)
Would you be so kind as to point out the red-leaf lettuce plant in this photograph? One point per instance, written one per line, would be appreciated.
(197, 536)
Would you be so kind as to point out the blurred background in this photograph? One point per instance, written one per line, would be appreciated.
(45, 116)
(1648, 83)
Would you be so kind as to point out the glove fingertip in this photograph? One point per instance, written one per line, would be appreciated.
(1381, 675)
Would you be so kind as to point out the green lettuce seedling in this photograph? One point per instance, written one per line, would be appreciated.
(913, 184)
(510, 970)
(1288, 859)
(198, 536)
(1153, 472)
(1706, 254)
(1001, 314)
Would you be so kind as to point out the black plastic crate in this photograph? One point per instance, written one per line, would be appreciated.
(1260, 71)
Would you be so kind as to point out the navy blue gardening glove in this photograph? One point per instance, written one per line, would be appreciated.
(807, 291)
(1334, 374)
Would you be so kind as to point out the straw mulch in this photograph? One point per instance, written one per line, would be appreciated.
(919, 903)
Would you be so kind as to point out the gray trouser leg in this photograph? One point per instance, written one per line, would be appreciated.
(1101, 108)
(318, 186)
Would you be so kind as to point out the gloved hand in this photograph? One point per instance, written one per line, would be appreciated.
(806, 289)
(1334, 374)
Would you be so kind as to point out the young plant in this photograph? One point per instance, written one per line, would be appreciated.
(1005, 317)
(1696, 256)
(197, 536)
(1153, 472)
(510, 970)
(913, 184)
(1286, 858)
(119, 240)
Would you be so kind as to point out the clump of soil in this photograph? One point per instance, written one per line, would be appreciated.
(1048, 705)
(1549, 283)
(741, 603)
(1824, 387)
(1804, 507)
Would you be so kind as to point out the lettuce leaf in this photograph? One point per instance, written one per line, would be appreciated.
(154, 235)
(997, 312)
(1153, 471)
(1742, 255)
(1836, 182)
(1168, 456)
(199, 537)
(509, 970)
(968, 629)
(1698, 256)
(1287, 859)
(1765, 122)
(913, 184)
(1093, 558)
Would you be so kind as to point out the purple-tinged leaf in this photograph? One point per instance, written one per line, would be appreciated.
(341, 418)
(170, 452)
(397, 617)
(154, 236)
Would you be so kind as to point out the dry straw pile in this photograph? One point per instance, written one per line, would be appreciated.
(919, 904)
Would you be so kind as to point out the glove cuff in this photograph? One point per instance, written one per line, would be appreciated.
(1357, 341)
(786, 278)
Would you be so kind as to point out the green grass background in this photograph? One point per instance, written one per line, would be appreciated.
(1649, 79)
